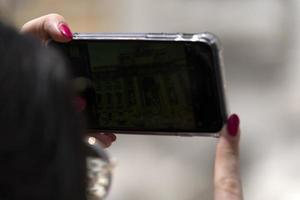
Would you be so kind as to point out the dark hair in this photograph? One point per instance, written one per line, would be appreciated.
(41, 152)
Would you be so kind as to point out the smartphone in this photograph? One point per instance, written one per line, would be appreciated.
(149, 83)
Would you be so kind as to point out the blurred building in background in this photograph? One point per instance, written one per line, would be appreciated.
(261, 44)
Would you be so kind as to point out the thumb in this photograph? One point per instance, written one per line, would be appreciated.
(227, 168)
(51, 26)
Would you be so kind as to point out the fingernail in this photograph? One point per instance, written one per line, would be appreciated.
(112, 136)
(80, 103)
(233, 125)
(65, 30)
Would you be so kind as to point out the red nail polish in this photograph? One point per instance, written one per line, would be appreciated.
(233, 125)
(80, 104)
(65, 30)
(112, 136)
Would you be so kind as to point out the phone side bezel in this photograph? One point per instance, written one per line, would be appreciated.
(208, 38)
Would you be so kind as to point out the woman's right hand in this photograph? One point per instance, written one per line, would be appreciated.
(227, 180)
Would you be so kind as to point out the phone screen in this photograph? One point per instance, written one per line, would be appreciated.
(156, 86)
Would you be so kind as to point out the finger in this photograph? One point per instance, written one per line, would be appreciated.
(105, 139)
(227, 172)
(112, 136)
(52, 26)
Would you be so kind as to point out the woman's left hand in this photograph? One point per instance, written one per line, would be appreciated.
(51, 26)
(55, 27)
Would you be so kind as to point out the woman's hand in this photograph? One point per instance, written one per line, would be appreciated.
(55, 27)
(227, 181)
(106, 139)
(52, 26)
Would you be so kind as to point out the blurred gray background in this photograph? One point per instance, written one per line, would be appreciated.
(261, 42)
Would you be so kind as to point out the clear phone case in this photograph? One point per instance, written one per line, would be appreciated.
(205, 37)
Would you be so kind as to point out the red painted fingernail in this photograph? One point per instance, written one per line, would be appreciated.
(233, 125)
(65, 30)
(80, 103)
(113, 137)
